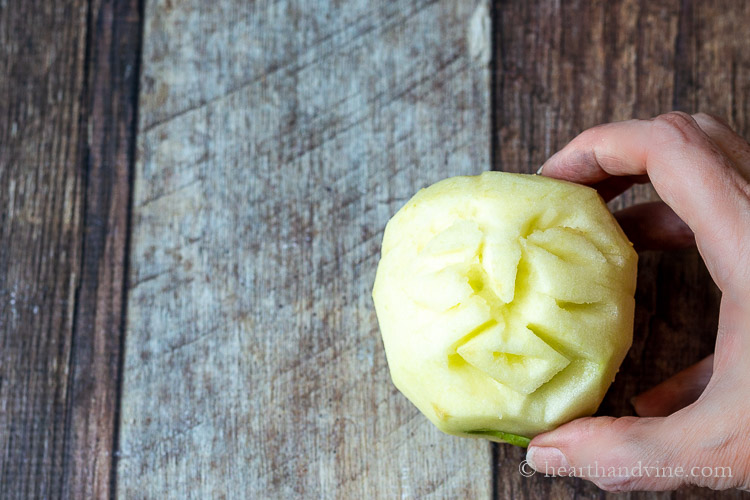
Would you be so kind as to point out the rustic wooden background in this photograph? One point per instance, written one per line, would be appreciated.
(192, 197)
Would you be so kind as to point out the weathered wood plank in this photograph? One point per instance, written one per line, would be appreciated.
(275, 140)
(565, 66)
(41, 224)
(95, 359)
(66, 120)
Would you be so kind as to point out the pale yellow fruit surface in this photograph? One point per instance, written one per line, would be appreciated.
(505, 302)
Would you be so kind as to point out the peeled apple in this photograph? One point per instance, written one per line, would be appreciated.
(505, 302)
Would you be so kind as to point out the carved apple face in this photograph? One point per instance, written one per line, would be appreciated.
(505, 302)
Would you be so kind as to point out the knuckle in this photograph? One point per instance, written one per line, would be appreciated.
(619, 484)
(587, 427)
(591, 135)
(628, 428)
(640, 482)
(675, 125)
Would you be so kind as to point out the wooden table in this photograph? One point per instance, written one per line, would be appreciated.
(192, 198)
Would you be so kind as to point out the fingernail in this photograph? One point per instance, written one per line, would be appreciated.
(546, 459)
(539, 172)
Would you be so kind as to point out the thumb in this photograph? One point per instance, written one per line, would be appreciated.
(631, 453)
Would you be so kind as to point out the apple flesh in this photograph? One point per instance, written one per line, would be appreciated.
(505, 302)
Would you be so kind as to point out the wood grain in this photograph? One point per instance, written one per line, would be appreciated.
(275, 140)
(562, 67)
(66, 133)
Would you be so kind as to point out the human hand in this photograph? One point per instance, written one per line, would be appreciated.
(700, 418)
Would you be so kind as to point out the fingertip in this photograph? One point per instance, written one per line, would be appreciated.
(656, 404)
(576, 162)
(545, 459)
(566, 165)
(548, 167)
(675, 393)
(586, 446)
(644, 407)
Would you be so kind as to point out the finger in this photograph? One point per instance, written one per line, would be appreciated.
(688, 170)
(655, 226)
(631, 453)
(676, 392)
(734, 146)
